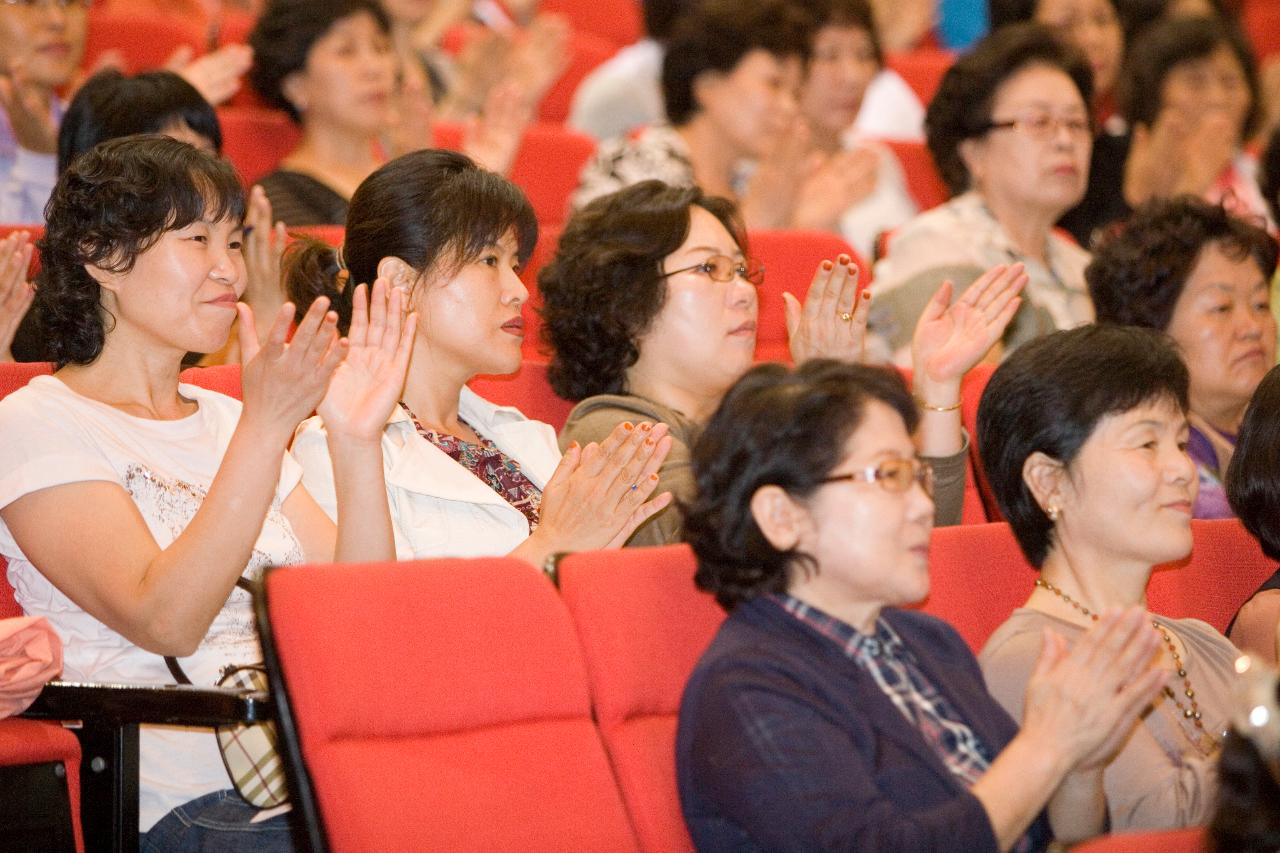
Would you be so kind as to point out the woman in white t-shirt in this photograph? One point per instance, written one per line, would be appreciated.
(131, 503)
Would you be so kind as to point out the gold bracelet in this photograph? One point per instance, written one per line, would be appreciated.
(922, 404)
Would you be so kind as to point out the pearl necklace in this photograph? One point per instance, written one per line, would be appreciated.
(1187, 714)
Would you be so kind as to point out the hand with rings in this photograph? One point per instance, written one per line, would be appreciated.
(832, 323)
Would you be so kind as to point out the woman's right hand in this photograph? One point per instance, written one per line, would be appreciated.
(599, 494)
(16, 293)
(283, 382)
(1085, 701)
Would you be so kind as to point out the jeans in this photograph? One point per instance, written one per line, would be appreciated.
(217, 823)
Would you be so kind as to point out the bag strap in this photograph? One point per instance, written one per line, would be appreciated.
(174, 669)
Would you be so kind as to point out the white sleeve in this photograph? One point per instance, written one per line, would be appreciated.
(39, 450)
(28, 186)
(310, 456)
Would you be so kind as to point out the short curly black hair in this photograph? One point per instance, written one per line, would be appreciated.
(604, 286)
(1166, 44)
(715, 35)
(1048, 397)
(1139, 271)
(111, 205)
(778, 426)
(961, 109)
(285, 33)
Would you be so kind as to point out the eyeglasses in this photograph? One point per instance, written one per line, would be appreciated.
(1043, 126)
(724, 268)
(893, 475)
(45, 4)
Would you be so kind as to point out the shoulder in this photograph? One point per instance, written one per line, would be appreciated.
(595, 417)
(1019, 635)
(42, 409)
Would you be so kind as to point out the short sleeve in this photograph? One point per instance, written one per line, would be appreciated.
(39, 449)
(309, 457)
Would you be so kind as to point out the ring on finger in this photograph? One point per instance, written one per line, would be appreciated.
(633, 487)
(845, 316)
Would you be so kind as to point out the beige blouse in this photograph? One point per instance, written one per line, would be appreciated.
(1159, 779)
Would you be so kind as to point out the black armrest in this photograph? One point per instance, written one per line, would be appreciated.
(118, 704)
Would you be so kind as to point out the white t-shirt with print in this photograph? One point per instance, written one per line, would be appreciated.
(51, 436)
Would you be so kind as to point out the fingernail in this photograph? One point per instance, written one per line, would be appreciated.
(866, 293)
(827, 265)
(653, 478)
(645, 427)
(628, 426)
(573, 445)
(844, 259)
(648, 442)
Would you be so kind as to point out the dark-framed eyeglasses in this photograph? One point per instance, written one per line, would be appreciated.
(893, 475)
(724, 268)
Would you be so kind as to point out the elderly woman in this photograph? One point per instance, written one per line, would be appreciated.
(650, 306)
(1083, 436)
(1253, 487)
(822, 717)
(1010, 131)
(466, 477)
(1192, 270)
(142, 264)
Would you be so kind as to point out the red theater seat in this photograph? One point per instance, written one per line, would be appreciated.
(643, 626)
(437, 705)
(144, 41)
(256, 139)
(1190, 840)
(923, 181)
(528, 390)
(923, 68)
(1225, 567)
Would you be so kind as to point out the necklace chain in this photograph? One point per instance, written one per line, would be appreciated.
(1188, 714)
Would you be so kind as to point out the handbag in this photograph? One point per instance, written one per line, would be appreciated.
(248, 750)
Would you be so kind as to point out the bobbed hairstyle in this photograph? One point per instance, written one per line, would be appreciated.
(435, 210)
(1166, 44)
(715, 35)
(1139, 271)
(111, 104)
(778, 426)
(604, 287)
(961, 109)
(846, 13)
(1253, 477)
(285, 33)
(111, 205)
(1049, 395)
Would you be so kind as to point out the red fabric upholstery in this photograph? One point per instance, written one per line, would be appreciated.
(977, 577)
(790, 259)
(615, 20)
(546, 165)
(36, 232)
(145, 41)
(975, 382)
(923, 68)
(1225, 567)
(443, 705)
(256, 139)
(14, 375)
(586, 51)
(225, 379)
(923, 181)
(1261, 20)
(528, 390)
(643, 626)
(38, 742)
(1189, 840)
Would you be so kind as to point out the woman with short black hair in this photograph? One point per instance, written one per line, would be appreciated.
(1083, 437)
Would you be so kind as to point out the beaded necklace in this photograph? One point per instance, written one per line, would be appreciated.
(1188, 714)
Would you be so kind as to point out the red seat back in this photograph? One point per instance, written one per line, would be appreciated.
(618, 21)
(528, 390)
(922, 68)
(225, 379)
(586, 51)
(256, 139)
(144, 41)
(971, 389)
(1189, 840)
(442, 705)
(643, 626)
(926, 186)
(790, 259)
(1225, 567)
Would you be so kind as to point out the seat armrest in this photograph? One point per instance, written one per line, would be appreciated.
(123, 704)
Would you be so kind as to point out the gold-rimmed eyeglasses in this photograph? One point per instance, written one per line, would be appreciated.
(1045, 126)
(724, 268)
(893, 475)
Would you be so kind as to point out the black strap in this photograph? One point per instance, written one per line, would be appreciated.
(1272, 582)
(174, 669)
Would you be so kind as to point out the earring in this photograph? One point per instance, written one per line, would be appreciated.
(1053, 513)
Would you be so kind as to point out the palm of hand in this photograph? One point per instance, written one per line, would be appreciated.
(955, 341)
(362, 393)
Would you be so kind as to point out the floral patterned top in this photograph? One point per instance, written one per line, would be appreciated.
(495, 468)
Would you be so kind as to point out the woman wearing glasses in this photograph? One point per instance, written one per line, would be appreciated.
(465, 477)
(650, 309)
(1083, 436)
(1009, 129)
(822, 717)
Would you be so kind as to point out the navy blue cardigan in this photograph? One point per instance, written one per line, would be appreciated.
(785, 743)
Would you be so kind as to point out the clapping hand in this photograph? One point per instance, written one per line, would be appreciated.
(16, 292)
(30, 110)
(833, 321)
(263, 249)
(951, 338)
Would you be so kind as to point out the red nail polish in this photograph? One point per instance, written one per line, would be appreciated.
(826, 265)
(645, 427)
(866, 293)
(627, 425)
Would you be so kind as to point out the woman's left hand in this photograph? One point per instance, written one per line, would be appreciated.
(833, 321)
(951, 339)
(367, 384)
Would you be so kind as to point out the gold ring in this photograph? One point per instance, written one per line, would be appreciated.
(846, 316)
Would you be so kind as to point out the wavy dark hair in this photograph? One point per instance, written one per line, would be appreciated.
(1140, 270)
(776, 426)
(604, 286)
(284, 34)
(1048, 397)
(111, 104)
(435, 210)
(1253, 476)
(961, 109)
(111, 205)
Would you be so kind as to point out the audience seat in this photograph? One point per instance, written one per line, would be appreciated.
(1190, 840)
(586, 51)
(36, 232)
(39, 786)
(975, 383)
(256, 139)
(923, 68)
(615, 20)
(1261, 20)
(437, 705)
(546, 165)
(1224, 569)
(145, 42)
(528, 390)
(643, 626)
(923, 181)
(790, 259)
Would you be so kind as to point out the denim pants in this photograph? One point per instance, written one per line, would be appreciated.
(217, 823)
